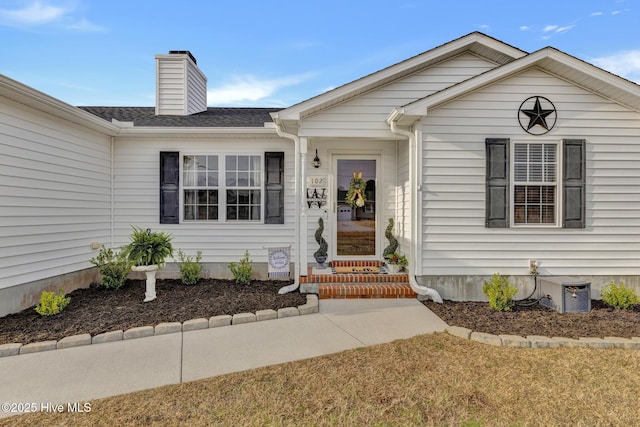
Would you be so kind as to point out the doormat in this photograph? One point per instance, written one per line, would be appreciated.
(357, 270)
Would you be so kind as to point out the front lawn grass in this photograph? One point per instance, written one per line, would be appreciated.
(434, 380)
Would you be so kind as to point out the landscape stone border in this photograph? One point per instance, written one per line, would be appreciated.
(15, 349)
(538, 341)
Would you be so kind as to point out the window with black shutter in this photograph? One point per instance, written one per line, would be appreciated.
(222, 188)
(532, 195)
(573, 183)
(497, 183)
(274, 187)
(169, 187)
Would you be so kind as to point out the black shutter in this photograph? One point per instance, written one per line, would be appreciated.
(573, 183)
(274, 188)
(169, 187)
(497, 180)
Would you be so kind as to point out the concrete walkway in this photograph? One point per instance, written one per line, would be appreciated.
(90, 372)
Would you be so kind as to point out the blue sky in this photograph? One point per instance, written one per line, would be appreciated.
(275, 54)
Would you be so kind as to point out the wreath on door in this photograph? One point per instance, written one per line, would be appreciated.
(355, 196)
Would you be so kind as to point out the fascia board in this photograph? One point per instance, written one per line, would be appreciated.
(233, 132)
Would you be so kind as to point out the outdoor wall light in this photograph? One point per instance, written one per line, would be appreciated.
(316, 160)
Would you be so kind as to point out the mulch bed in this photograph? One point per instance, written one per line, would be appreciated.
(95, 310)
(602, 321)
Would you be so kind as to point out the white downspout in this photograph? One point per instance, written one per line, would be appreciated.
(112, 186)
(296, 189)
(413, 174)
(303, 143)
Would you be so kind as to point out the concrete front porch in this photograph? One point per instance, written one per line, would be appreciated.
(333, 285)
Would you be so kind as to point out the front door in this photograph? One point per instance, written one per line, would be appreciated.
(355, 207)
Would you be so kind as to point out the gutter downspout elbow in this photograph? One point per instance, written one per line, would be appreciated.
(296, 270)
(422, 291)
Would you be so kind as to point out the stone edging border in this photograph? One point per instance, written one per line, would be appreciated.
(539, 341)
(15, 349)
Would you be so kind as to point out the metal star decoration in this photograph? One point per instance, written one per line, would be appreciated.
(538, 115)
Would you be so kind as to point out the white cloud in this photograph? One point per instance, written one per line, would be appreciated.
(524, 28)
(84, 26)
(564, 29)
(249, 89)
(40, 13)
(596, 14)
(35, 13)
(625, 64)
(549, 28)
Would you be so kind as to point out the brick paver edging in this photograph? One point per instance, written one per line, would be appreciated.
(15, 349)
(538, 341)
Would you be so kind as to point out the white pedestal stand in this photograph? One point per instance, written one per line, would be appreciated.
(150, 271)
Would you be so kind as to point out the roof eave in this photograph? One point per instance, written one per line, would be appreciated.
(163, 131)
(33, 98)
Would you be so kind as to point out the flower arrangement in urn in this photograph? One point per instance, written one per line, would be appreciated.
(395, 262)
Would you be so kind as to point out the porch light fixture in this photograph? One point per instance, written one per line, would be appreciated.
(316, 160)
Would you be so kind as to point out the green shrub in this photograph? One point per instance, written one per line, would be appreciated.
(190, 268)
(242, 272)
(51, 304)
(500, 292)
(619, 297)
(113, 266)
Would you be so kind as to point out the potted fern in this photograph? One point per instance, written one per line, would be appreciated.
(148, 251)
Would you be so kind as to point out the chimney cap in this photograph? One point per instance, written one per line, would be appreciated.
(184, 52)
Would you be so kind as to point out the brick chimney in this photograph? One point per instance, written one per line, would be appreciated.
(181, 88)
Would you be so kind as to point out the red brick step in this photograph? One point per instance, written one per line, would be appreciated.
(362, 285)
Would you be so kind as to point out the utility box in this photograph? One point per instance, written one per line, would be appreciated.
(565, 294)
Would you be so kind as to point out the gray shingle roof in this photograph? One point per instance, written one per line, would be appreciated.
(213, 117)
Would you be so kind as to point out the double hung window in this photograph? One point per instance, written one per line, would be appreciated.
(243, 187)
(200, 183)
(237, 187)
(535, 179)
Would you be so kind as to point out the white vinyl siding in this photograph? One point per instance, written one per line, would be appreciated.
(137, 197)
(455, 240)
(55, 194)
(181, 88)
(365, 115)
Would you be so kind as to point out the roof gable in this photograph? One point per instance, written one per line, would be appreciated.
(477, 43)
(551, 60)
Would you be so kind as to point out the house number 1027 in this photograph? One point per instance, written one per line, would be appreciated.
(316, 181)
